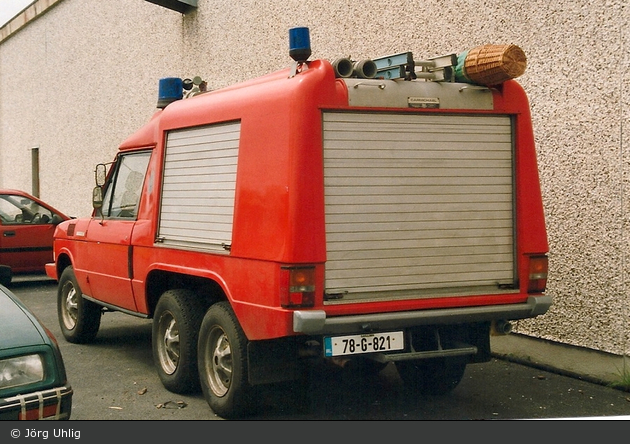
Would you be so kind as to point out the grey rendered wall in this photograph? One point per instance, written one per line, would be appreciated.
(81, 77)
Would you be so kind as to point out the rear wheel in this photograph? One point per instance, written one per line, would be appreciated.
(79, 318)
(176, 323)
(432, 376)
(222, 357)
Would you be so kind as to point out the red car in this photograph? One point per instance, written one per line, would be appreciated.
(26, 233)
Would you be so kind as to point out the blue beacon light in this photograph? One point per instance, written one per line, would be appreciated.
(299, 44)
(170, 89)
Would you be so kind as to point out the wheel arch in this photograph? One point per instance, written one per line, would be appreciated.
(62, 262)
(159, 281)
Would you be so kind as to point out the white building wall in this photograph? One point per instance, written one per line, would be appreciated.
(83, 75)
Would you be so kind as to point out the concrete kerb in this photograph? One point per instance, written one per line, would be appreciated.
(577, 362)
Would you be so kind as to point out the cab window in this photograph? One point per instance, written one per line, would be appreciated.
(122, 194)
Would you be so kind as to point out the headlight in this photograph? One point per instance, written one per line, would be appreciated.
(22, 370)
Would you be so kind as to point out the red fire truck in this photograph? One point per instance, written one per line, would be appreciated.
(380, 211)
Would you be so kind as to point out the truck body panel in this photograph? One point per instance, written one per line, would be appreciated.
(400, 204)
(434, 197)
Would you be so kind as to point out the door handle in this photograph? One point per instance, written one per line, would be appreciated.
(8, 233)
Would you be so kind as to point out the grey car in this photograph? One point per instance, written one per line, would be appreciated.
(33, 381)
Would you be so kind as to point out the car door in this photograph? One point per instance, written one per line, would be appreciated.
(108, 250)
(26, 234)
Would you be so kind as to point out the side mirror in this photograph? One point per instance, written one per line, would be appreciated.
(97, 197)
(100, 174)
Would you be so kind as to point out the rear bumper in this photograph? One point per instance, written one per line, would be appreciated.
(52, 404)
(316, 322)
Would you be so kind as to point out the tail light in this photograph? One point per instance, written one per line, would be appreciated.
(538, 266)
(298, 287)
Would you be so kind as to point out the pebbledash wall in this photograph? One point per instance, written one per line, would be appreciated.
(78, 76)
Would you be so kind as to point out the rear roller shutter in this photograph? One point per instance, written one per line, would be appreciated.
(418, 203)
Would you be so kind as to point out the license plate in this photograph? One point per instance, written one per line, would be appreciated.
(360, 344)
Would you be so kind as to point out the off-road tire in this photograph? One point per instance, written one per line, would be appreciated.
(175, 330)
(437, 376)
(223, 366)
(79, 318)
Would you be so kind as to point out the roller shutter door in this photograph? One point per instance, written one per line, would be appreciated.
(418, 204)
(199, 187)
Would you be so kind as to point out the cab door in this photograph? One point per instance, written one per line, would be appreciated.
(26, 248)
(26, 234)
(109, 253)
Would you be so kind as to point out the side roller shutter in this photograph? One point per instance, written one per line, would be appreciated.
(199, 187)
(418, 203)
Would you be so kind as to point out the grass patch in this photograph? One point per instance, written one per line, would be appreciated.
(623, 383)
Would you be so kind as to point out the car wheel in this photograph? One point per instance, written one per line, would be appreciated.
(79, 318)
(432, 376)
(222, 357)
(176, 324)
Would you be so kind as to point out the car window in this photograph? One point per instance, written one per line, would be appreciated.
(122, 193)
(20, 210)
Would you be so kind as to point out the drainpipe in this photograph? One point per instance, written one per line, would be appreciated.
(35, 171)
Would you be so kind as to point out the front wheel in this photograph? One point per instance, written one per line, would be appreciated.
(222, 358)
(432, 376)
(79, 318)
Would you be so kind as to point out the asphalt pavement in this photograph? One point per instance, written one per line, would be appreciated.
(578, 362)
(494, 385)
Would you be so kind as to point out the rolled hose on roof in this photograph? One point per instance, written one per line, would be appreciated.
(490, 64)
